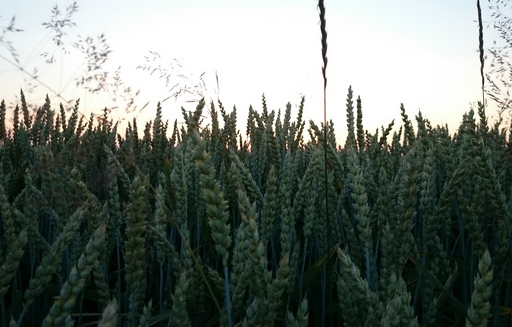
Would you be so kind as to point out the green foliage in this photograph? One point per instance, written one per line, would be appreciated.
(205, 229)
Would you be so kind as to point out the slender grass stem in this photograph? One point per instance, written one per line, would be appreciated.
(481, 48)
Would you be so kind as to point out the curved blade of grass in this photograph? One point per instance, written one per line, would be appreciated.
(316, 268)
(460, 307)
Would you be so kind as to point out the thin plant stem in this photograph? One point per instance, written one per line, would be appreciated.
(323, 30)
(481, 48)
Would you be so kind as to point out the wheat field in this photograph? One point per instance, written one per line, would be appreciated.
(195, 224)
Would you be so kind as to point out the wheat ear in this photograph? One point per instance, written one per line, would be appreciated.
(479, 311)
(60, 312)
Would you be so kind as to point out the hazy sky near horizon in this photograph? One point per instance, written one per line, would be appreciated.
(419, 53)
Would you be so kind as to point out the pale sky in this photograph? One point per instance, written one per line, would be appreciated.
(420, 53)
